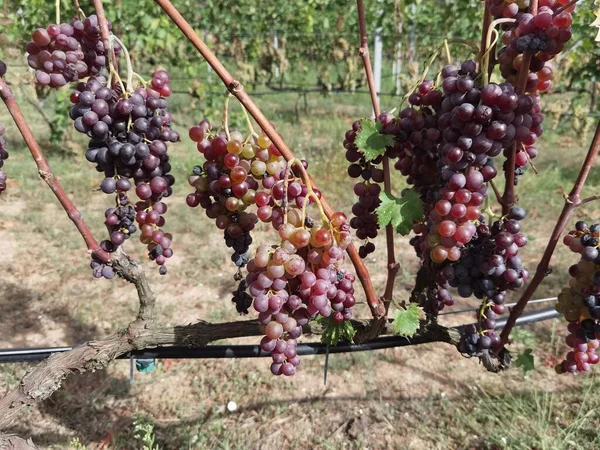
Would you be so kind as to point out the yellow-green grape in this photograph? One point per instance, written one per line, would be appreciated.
(263, 141)
(273, 167)
(433, 240)
(248, 151)
(232, 204)
(234, 147)
(258, 168)
(523, 4)
(249, 196)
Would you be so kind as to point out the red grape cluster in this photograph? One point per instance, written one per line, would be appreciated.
(367, 191)
(129, 132)
(246, 180)
(67, 52)
(580, 301)
(298, 280)
(543, 35)
(473, 126)
(228, 183)
(3, 157)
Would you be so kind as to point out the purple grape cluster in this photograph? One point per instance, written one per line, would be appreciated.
(3, 156)
(491, 267)
(67, 52)
(367, 191)
(129, 133)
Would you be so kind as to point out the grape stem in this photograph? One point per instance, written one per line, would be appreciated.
(248, 121)
(392, 266)
(113, 39)
(434, 56)
(57, 12)
(447, 50)
(568, 5)
(225, 122)
(80, 12)
(509, 173)
(311, 193)
(572, 201)
(484, 63)
(286, 181)
(47, 175)
(238, 91)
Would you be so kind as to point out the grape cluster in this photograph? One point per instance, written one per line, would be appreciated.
(580, 301)
(473, 126)
(491, 266)
(367, 191)
(3, 157)
(241, 298)
(120, 220)
(297, 280)
(67, 52)
(129, 132)
(228, 183)
(543, 35)
(446, 143)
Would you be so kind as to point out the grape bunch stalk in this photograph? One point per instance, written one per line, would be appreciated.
(580, 301)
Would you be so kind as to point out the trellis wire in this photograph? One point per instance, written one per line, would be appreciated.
(254, 351)
(507, 305)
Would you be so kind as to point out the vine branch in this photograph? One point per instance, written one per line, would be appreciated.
(572, 201)
(392, 266)
(46, 174)
(508, 199)
(236, 88)
(48, 376)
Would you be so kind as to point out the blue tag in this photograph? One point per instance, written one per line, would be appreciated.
(145, 365)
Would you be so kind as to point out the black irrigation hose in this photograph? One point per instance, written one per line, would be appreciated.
(254, 351)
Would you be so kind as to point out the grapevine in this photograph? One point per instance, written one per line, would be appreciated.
(460, 128)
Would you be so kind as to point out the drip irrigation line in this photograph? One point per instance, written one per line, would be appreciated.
(254, 351)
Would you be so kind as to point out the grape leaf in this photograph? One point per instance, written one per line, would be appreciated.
(406, 321)
(400, 212)
(525, 360)
(369, 141)
(335, 332)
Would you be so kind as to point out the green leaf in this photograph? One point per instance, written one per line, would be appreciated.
(369, 141)
(335, 332)
(400, 212)
(525, 360)
(406, 321)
